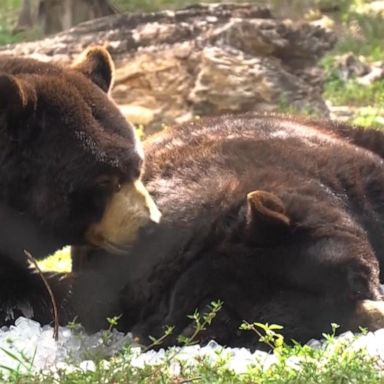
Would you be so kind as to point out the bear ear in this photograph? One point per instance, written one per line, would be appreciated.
(266, 219)
(96, 63)
(13, 98)
(17, 102)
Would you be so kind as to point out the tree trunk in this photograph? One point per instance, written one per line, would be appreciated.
(58, 15)
(25, 19)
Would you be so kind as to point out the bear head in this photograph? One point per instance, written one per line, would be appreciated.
(70, 164)
(274, 256)
(300, 242)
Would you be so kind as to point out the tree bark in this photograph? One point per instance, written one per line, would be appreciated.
(58, 15)
(25, 18)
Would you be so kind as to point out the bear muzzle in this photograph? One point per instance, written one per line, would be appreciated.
(368, 314)
(128, 211)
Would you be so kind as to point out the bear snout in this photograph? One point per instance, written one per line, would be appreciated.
(128, 211)
(363, 281)
(368, 314)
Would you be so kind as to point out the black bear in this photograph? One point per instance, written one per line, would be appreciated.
(280, 218)
(70, 168)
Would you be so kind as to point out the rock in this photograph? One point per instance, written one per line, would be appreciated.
(349, 66)
(341, 112)
(202, 60)
(376, 73)
(137, 114)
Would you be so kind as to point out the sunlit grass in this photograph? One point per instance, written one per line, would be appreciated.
(58, 262)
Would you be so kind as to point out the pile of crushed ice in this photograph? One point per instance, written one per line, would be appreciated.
(27, 346)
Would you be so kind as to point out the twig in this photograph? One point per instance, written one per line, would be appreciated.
(53, 301)
(186, 381)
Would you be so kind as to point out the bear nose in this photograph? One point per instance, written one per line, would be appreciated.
(148, 229)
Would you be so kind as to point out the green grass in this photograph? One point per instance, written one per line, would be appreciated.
(362, 35)
(335, 363)
(6, 37)
(369, 117)
(58, 262)
(8, 15)
(9, 10)
(349, 92)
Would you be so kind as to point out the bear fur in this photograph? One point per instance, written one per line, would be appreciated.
(68, 162)
(280, 218)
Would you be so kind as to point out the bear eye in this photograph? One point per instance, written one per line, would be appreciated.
(103, 181)
(107, 182)
(137, 173)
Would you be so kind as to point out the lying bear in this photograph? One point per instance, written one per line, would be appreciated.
(70, 170)
(281, 219)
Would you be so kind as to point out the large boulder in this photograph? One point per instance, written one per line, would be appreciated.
(202, 60)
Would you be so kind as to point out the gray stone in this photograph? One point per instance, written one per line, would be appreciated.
(203, 60)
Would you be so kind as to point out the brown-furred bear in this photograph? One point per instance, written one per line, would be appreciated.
(70, 168)
(280, 218)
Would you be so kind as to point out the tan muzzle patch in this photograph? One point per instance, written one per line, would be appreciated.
(127, 211)
(369, 314)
